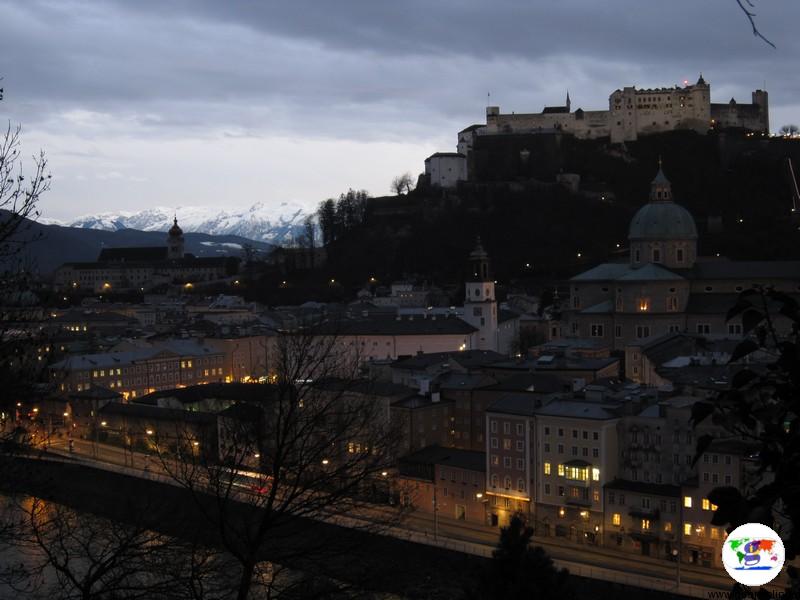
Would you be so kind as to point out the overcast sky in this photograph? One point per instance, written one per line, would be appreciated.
(140, 103)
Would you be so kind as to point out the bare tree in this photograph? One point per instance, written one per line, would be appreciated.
(20, 333)
(789, 130)
(58, 552)
(314, 452)
(402, 183)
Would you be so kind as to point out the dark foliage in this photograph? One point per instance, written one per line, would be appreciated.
(519, 571)
(763, 407)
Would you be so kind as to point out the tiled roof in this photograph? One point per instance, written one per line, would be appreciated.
(650, 272)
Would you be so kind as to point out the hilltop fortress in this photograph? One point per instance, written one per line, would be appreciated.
(631, 112)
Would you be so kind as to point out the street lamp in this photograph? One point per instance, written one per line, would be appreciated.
(325, 461)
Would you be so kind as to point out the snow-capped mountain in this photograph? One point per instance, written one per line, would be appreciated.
(259, 222)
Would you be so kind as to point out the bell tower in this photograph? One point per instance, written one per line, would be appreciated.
(480, 304)
(175, 241)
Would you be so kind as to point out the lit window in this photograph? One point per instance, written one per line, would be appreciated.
(645, 523)
(668, 527)
(706, 504)
(687, 529)
(616, 519)
(687, 502)
(547, 468)
(714, 533)
(578, 473)
(595, 474)
(560, 470)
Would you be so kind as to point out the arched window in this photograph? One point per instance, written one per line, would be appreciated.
(521, 484)
(494, 481)
(508, 483)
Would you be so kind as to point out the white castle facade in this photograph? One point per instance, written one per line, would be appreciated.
(633, 112)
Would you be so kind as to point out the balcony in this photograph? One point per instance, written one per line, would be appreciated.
(645, 513)
(583, 502)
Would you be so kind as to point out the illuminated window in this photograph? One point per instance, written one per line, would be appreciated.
(701, 530)
(714, 506)
(687, 502)
(547, 468)
(645, 523)
(595, 474)
(714, 533)
(578, 473)
(706, 504)
(561, 512)
(644, 304)
(616, 519)
(687, 529)
(668, 527)
(560, 470)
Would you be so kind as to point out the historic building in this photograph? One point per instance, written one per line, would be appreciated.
(632, 112)
(665, 287)
(143, 268)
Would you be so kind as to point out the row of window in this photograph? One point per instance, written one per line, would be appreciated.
(574, 449)
(520, 427)
(575, 433)
(520, 445)
(576, 493)
(507, 483)
(495, 460)
(573, 473)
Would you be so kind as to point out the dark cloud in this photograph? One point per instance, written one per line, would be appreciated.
(365, 70)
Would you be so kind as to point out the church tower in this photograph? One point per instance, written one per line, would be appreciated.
(480, 304)
(175, 241)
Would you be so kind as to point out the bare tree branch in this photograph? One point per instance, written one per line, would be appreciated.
(746, 6)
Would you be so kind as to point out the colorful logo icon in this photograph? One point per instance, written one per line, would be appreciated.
(753, 554)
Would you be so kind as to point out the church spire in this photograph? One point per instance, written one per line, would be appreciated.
(569, 104)
(660, 187)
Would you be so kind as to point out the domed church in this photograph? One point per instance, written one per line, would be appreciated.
(665, 288)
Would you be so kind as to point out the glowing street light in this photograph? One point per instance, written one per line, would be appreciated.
(257, 455)
(103, 423)
(149, 432)
(384, 473)
(479, 495)
(195, 443)
(325, 461)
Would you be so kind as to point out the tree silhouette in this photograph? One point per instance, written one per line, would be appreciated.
(521, 572)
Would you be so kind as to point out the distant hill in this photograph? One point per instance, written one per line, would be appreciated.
(737, 188)
(53, 245)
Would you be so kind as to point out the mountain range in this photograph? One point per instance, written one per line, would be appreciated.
(47, 246)
(260, 223)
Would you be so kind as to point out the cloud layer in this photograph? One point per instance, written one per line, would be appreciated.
(205, 102)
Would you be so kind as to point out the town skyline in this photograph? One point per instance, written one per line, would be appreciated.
(128, 124)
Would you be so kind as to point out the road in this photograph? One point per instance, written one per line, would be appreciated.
(583, 560)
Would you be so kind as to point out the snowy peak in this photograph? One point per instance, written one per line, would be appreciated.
(258, 222)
